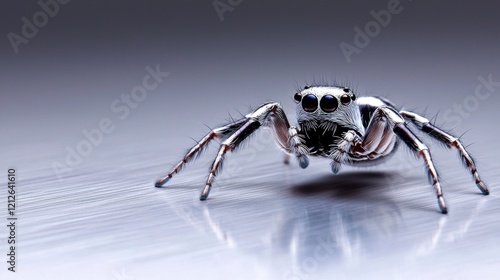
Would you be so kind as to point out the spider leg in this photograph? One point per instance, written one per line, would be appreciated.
(451, 141)
(270, 115)
(228, 145)
(340, 154)
(378, 140)
(216, 133)
(392, 119)
(297, 147)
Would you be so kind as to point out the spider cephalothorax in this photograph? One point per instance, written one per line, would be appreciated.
(334, 123)
(324, 115)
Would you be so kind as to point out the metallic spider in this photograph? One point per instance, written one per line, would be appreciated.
(333, 123)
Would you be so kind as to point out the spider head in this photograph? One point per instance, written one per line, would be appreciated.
(323, 100)
(328, 104)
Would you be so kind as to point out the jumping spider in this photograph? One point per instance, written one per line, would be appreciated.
(333, 123)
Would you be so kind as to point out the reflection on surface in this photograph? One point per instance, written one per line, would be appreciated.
(439, 236)
(333, 219)
(269, 221)
(330, 224)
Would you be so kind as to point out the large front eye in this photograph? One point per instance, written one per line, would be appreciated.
(328, 103)
(310, 103)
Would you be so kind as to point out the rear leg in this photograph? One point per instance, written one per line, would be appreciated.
(451, 141)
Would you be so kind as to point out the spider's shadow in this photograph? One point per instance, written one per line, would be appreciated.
(347, 185)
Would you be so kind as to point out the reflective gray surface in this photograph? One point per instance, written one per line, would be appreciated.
(103, 219)
(264, 220)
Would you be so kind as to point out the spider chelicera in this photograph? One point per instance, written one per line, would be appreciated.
(334, 124)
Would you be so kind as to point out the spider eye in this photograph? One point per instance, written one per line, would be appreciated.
(345, 99)
(328, 103)
(353, 97)
(297, 97)
(346, 90)
(310, 103)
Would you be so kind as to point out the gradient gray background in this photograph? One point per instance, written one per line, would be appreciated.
(63, 81)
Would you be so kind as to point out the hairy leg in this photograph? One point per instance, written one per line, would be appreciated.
(450, 141)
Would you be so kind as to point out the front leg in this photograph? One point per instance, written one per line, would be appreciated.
(297, 146)
(230, 144)
(385, 120)
(269, 115)
(450, 141)
(195, 151)
(340, 154)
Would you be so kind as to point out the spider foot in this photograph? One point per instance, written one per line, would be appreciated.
(205, 192)
(162, 181)
(442, 205)
(335, 167)
(303, 162)
(483, 188)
